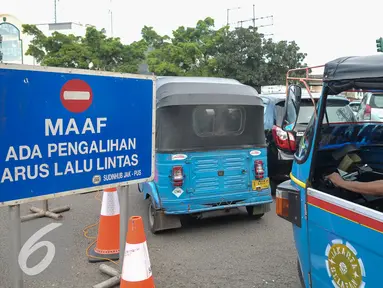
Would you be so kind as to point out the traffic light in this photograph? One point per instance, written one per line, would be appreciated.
(379, 44)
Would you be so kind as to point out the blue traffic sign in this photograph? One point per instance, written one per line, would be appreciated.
(68, 131)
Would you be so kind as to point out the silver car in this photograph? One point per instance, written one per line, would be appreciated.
(371, 107)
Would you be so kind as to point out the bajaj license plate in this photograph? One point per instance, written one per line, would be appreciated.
(260, 184)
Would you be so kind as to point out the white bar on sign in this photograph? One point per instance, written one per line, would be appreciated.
(76, 95)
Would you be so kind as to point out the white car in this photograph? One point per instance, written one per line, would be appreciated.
(371, 107)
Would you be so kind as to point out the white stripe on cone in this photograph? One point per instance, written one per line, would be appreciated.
(110, 205)
(136, 265)
(76, 95)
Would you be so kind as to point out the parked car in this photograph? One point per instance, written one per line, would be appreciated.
(281, 151)
(354, 105)
(371, 107)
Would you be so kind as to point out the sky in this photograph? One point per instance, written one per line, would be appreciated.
(325, 29)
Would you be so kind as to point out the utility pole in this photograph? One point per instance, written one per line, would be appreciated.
(1, 46)
(55, 11)
(253, 15)
(111, 19)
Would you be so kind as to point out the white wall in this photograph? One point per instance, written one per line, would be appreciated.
(64, 28)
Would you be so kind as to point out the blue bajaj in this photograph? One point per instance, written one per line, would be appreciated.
(334, 198)
(210, 151)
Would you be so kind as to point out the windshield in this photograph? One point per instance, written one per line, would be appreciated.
(337, 111)
(305, 113)
(376, 101)
(209, 127)
(347, 128)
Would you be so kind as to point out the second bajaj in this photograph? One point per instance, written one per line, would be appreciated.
(335, 196)
(210, 151)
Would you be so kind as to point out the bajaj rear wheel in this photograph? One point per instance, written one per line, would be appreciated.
(249, 210)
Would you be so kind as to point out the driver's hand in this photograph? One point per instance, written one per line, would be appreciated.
(336, 179)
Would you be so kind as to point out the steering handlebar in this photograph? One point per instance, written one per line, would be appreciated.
(331, 185)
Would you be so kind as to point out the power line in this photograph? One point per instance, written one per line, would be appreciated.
(253, 19)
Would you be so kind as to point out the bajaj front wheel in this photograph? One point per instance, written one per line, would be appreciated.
(300, 274)
(152, 217)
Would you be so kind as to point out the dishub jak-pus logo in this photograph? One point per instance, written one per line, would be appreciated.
(343, 266)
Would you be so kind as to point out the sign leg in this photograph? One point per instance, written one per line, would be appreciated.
(45, 212)
(124, 217)
(111, 282)
(15, 235)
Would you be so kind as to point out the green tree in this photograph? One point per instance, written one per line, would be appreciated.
(93, 51)
(189, 52)
(243, 54)
(249, 57)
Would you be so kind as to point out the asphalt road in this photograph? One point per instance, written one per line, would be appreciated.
(231, 251)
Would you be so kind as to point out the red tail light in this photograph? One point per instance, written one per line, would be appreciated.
(281, 140)
(178, 176)
(258, 169)
(367, 112)
(368, 109)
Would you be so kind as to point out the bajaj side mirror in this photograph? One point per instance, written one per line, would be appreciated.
(297, 93)
(292, 107)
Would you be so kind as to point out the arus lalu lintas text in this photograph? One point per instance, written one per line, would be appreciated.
(62, 149)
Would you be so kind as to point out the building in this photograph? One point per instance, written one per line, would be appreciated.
(273, 89)
(63, 28)
(12, 40)
(14, 44)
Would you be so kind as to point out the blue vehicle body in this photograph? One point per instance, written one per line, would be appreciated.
(203, 189)
(198, 170)
(337, 233)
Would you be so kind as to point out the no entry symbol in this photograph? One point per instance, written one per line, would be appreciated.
(76, 95)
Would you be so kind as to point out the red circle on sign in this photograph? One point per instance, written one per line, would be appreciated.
(76, 95)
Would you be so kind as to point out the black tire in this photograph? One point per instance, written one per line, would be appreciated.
(249, 210)
(300, 275)
(273, 187)
(152, 216)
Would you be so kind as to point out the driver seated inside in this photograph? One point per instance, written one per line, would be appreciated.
(374, 188)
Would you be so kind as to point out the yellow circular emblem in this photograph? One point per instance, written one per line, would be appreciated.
(343, 265)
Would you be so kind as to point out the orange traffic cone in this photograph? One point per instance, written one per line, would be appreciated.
(108, 238)
(136, 269)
